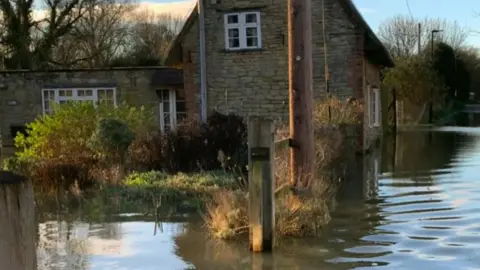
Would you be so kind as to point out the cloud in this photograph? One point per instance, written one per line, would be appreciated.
(179, 8)
(367, 10)
(182, 8)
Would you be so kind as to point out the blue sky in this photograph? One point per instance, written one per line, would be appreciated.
(462, 11)
(376, 11)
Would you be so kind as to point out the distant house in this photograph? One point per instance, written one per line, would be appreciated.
(26, 94)
(246, 59)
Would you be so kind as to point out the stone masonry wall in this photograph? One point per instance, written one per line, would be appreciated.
(21, 91)
(255, 82)
(191, 68)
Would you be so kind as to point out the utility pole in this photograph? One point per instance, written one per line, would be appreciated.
(302, 153)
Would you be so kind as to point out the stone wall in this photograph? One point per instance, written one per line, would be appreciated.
(21, 91)
(191, 68)
(255, 82)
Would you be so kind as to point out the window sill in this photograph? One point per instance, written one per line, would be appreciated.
(242, 50)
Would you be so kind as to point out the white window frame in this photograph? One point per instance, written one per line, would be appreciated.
(172, 111)
(374, 102)
(74, 97)
(242, 26)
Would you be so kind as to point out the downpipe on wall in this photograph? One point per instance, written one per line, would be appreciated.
(203, 64)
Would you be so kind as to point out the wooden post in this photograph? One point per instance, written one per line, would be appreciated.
(302, 154)
(261, 184)
(17, 223)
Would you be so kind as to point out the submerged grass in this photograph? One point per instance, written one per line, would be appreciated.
(298, 213)
(192, 188)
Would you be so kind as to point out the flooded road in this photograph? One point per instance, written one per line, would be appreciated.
(410, 205)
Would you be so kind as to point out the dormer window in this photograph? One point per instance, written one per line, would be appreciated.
(242, 31)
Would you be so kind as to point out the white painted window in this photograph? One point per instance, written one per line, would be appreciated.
(172, 109)
(374, 106)
(61, 96)
(243, 31)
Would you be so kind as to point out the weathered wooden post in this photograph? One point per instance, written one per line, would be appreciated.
(261, 184)
(17, 223)
(302, 154)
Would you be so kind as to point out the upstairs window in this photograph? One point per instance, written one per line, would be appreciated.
(242, 31)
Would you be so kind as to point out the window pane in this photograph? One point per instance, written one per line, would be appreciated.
(234, 43)
(46, 105)
(252, 42)
(166, 107)
(232, 19)
(181, 106)
(81, 93)
(110, 93)
(68, 93)
(61, 93)
(252, 32)
(101, 94)
(89, 93)
(233, 33)
(165, 95)
(251, 18)
(45, 95)
(62, 102)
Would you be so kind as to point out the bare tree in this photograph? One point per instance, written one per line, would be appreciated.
(28, 42)
(151, 35)
(97, 37)
(400, 34)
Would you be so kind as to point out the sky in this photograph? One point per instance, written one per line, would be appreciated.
(377, 11)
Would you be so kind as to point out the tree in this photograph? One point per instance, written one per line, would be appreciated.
(400, 34)
(453, 73)
(99, 36)
(27, 42)
(471, 59)
(150, 37)
(414, 80)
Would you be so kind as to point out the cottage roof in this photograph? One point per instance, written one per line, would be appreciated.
(374, 48)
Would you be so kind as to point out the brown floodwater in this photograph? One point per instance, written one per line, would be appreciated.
(411, 204)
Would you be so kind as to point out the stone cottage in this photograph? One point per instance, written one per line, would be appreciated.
(246, 58)
(26, 94)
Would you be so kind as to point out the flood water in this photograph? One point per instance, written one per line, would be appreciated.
(412, 204)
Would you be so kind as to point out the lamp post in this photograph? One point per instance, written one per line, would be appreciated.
(430, 115)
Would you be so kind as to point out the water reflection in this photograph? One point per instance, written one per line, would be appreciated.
(407, 205)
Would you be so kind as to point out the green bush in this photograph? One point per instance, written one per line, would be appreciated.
(64, 134)
(181, 181)
(13, 164)
(67, 143)
(111, 137)
(144, 179)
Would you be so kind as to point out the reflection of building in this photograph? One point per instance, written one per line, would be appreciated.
(361, 180)
(71, 244)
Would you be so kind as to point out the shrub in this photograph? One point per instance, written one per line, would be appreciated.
(13, 164)
(14, 129)
(194, 146)
(62, 139)
(65, 133)
(332, 110)
(111, 137)
(145, 179)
